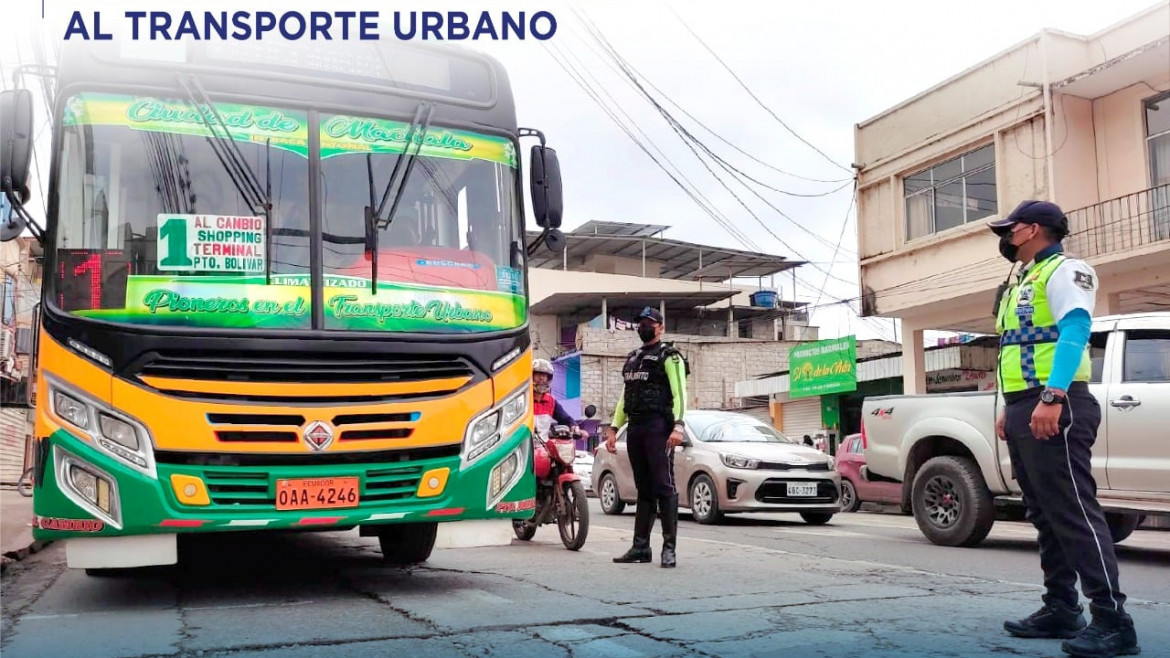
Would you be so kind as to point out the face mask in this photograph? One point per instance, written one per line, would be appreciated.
(541, 388)
(1008, 250)
(647, 334)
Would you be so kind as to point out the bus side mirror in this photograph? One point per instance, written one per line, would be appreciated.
(547, 202)
(16, 143)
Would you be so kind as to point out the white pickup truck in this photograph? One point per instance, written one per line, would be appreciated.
(956, 474)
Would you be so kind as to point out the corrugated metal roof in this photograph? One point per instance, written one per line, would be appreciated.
(676, 259)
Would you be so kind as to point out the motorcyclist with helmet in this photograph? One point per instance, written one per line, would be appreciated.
(543, 402)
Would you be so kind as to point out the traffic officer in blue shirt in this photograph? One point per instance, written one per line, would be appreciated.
(1050, 423)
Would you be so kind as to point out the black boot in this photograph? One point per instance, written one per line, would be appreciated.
(1056, 619)
(1110, 634)
(643, 523)
(668, 507)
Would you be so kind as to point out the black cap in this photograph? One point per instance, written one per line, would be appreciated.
(651, 314)
(1044, 213)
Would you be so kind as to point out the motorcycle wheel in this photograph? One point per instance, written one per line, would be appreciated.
(573, 519)
(524, 531)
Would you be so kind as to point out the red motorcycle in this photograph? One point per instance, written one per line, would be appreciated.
(560, 494)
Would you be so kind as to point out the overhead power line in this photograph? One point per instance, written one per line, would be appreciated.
(752, 94)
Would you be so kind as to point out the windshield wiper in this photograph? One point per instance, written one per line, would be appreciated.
(238, 170)
(374, 219)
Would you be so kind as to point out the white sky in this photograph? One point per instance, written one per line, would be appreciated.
(820, 66)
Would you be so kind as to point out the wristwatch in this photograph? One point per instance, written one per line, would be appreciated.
(1049, 396)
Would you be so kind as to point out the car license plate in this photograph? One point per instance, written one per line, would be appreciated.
(317, 493)
(802, 489)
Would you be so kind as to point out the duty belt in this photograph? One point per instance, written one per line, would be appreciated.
(1029, 336)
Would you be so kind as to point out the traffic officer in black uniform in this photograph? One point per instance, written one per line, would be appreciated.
(1050, 424)
(654, 399)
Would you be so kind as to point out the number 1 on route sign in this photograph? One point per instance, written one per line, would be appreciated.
(211, 243)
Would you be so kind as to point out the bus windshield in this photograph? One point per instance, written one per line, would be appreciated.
(159, 222)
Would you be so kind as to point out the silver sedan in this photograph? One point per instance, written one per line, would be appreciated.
(731, 462)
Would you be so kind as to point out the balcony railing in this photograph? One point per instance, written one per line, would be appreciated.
(1121, 224)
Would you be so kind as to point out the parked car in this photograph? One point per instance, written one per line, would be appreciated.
(583, 466)
(856, 487)
(731, 462)
(954, 472)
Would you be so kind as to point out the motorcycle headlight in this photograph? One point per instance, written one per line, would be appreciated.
(567, 451)
(737, 461)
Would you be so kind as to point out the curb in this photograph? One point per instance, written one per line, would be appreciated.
(21, 553)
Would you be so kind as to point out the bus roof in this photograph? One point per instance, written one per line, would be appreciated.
(381, 78)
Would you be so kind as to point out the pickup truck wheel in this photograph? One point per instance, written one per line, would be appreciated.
(849, 500)
(1121, 525)
(952, 505)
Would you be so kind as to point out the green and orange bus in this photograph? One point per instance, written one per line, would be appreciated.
(286, 288)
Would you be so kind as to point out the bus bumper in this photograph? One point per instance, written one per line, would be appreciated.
(130, 504)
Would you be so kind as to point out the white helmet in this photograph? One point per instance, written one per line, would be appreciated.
(542, 365)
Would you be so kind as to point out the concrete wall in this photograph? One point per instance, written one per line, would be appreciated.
(606, 264)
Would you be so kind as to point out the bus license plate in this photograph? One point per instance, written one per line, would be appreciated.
(317, 493)
(802, 489)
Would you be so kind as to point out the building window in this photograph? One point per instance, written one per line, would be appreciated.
(951, 194)
(1158, 138)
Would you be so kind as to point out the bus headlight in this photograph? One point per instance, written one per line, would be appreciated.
(71, 409)
(91, 486)
(486, 431)
(514, 408)
(506, 474)
(118, 431)
(88, 486)
(112, 432)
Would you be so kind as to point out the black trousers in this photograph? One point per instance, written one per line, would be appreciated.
(652, 463)
(1056, 477)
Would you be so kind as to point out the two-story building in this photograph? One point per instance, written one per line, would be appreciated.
(21, 286)
(1083, 121)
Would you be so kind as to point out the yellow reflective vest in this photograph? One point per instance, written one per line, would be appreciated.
(1028, 333)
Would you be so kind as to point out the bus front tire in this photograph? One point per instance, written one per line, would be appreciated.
(407, 543)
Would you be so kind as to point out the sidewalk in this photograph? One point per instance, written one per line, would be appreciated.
(16, 540)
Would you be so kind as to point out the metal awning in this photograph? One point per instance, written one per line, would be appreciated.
(676, 259)
(617, 303)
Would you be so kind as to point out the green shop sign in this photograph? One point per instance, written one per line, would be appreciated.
(823, 368)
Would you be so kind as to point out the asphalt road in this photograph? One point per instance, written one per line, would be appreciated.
(865, 585)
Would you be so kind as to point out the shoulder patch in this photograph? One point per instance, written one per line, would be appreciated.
(1084, 280)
